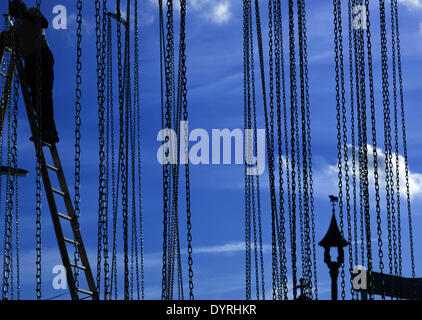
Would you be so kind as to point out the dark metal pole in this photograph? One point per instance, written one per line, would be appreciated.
(334, 277)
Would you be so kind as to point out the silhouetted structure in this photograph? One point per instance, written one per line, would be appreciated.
(333, 239)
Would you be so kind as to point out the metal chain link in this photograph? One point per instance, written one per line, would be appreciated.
(339, 103)
(395, 219)
(404, 137)
(275, 273)
(281, 98)
(293, 103)
(305, 166)
(374, 139)
(187, 171)
(38, 167)
(258, 193)
(168, 94)
(17, 221)
(11, 184)
(100, 102)
(310, 170)
(247, 182)
(106, 53)
(394, 34)
(352, 253)
(78, 108)
(125, 154)
(256, 205)
(387, 128)
(137, 113)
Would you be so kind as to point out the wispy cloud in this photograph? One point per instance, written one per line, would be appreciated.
(415, 179)
(220, 12)
(217, 12)
(412, 4)
(227, 248)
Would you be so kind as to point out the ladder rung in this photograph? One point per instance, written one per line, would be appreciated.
(46, 144)
(71, 241)
(4, 74)
(58, 192)
(77, 266)
(85, 291)
(49, 166)
(64, 216)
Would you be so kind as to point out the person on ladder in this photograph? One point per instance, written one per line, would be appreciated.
(30, 25)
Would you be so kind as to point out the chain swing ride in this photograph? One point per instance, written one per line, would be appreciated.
(294, 159)
(363, 146)
(287, 114)
(357, 151)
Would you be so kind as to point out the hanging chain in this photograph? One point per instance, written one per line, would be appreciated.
(108, 285)
(17, 232)
(258, 193)
(125, 155)
(387, 127)
(11, 183)
(106, 75)
(293, 103)
(396, 226)
(247, 185)
(4, 65)
(253, 126)
(78, 109)
(366, 217)
(306, 196)
(395, 40)
(168, 93)
(353, 139)
(339, 102)
(100, 102)
(281, 218)
(310, 170)
(403, 125)
(274, 213)
(187, 172)
(374, 140)
(7, 222)
(137, 135)
(38, 167)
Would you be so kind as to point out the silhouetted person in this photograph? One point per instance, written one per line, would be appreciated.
(29, 26)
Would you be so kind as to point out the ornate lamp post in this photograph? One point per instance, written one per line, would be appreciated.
(333, 239)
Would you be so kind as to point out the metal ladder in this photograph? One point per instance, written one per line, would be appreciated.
(57, 217)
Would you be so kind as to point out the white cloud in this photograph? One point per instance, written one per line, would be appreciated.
(412, 4)
(227, 248)
(220, 12)
(217, 12)
(330, 174)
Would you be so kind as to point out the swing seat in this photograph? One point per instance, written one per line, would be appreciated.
(395, 286)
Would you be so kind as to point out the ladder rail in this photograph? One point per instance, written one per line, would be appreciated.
(74, 222)
(5, 100)
(16, 64)
(47, 186)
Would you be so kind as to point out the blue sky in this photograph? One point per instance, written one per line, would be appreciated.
(215, 84)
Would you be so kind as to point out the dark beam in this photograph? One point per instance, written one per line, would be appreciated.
(4, 170)
(118, 19)
(394, 286)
